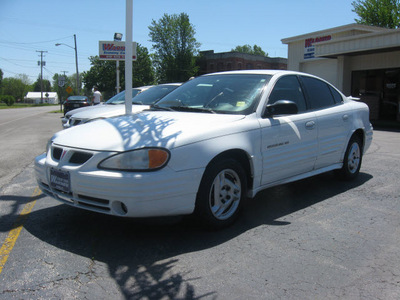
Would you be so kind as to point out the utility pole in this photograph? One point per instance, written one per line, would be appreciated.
(41, 63)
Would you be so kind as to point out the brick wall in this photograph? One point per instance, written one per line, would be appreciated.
(226, 61)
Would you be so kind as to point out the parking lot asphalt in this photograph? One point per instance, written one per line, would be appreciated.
(318, 238)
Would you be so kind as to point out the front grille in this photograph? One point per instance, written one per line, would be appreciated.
(75, 122)
(92, 203)
(77, 157)
(57, 153)
(96, 200)
(80, 157)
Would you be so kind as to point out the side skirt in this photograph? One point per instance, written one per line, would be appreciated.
(252, 193)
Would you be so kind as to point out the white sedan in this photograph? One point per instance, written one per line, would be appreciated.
(207, 146)
(112, 107)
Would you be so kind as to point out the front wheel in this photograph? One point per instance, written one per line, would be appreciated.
(221, 193)
(352, 160)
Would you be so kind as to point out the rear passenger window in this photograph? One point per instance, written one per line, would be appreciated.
(318, 92)
(288, 88)
(336, 96)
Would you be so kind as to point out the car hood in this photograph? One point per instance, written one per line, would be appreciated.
(106, 111)
(148, 129)
(81, 109)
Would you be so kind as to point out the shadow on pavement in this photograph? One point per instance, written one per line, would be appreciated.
(8, 221)
(140, 253)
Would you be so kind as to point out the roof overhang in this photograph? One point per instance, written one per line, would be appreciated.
(356, 29)
(376, 42)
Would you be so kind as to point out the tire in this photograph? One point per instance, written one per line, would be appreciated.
(352, 160)
(221, 194)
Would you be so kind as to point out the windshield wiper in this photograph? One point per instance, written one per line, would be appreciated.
(137, 102)
(193, 109)
(157, 107)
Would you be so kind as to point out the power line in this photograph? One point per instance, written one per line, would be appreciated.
(42, 42)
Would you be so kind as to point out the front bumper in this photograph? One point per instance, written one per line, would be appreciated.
(126, 194)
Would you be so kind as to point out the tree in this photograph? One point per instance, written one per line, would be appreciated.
(256, 50)
(46, 85)
(382, 13)
(7, 99)
(24, 78)
(61, 91)
(103, 73)
(142, 68)
(1, 79)
(173, 38)
(15, 87)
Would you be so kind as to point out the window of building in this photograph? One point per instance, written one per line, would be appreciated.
(380, 90)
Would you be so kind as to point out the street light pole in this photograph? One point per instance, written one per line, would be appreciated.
(128, 57)
(117, 37)
(76, 62)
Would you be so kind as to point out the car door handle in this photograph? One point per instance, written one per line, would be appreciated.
(310, 125)
(345, 117)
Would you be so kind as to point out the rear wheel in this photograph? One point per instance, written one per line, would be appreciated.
(352, 160)
(221, 193)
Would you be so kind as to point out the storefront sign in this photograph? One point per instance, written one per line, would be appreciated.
(309, 48)
(114, 50)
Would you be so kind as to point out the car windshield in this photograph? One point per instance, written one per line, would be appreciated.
(153, 94)
(221, 93)
(120, 98)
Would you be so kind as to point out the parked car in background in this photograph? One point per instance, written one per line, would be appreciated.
(207, 146)
(117, 99)
(74, 102)
(116, 105)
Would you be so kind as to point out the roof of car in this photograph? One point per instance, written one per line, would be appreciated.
(266, 72)
(77, 97)
(142, 88)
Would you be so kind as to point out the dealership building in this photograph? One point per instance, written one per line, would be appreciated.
(362, 61)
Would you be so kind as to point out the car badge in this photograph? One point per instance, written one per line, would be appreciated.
(63, 153)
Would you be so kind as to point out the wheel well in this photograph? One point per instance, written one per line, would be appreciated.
(360, 134)
(242, 157)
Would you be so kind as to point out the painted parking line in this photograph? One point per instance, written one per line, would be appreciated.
(12, 237)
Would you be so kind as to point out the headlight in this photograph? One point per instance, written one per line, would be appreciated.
(146, 159)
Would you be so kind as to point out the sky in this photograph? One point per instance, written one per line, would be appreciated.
(29, 26)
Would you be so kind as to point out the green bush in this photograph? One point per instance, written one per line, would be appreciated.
(7, 99)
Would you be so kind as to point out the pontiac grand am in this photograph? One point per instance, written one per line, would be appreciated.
(208, 146)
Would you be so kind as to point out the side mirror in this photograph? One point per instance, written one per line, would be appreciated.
(281, 107)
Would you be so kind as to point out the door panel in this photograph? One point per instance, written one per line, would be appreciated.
(289, 146)
(333, 129)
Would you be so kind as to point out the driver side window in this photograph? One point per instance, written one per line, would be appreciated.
(288, 88)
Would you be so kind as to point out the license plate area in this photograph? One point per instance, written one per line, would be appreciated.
(60, 180)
